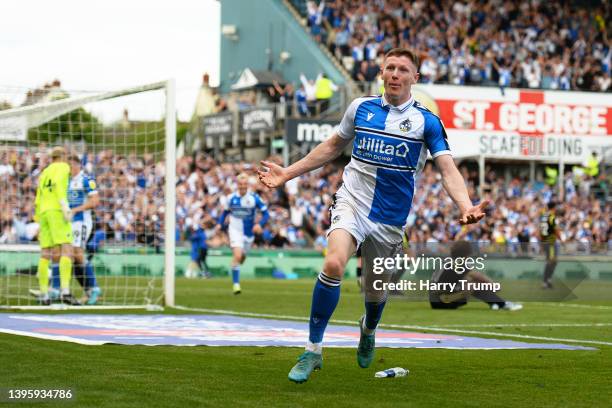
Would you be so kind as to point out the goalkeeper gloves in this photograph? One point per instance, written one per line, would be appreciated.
(66, 211)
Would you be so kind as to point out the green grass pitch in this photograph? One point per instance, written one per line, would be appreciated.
(140, 376)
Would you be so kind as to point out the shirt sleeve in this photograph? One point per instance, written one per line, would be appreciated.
(90, 186)
(63, 178)
(260, 204)
(265, 215)
(225, 205)
(346, 129)
(435, 136)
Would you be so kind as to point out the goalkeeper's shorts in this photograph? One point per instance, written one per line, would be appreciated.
(54, 229)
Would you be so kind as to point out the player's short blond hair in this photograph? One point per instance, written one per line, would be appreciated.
(58, 152)
(242, 177)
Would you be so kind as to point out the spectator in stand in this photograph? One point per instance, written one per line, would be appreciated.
(603, 82)
(301, 101)
(324, 91)
(315, 15)
(310, 89)
(274, 93)
(365, 73)
(340, 47)
(429, 70)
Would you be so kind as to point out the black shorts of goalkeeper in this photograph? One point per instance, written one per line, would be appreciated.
(446, 298)
(449, 299)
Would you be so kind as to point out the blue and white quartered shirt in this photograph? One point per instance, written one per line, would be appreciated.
(81, 186)
(389, 150)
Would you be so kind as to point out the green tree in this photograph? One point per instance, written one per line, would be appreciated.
(77, 125)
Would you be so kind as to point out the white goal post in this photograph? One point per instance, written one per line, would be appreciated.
(127, 155)
(170, 193)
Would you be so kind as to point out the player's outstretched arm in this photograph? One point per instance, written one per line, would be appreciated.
(274, 175)
(455, 187)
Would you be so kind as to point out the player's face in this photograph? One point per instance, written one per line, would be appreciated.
(75, 168)
(243, 186)
(398, 74)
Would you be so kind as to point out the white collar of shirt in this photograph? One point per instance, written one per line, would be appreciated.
(402, 107)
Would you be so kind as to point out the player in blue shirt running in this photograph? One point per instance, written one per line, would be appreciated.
(241, 208)
(391, 137)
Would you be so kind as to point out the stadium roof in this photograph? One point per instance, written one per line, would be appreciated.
(256, 79)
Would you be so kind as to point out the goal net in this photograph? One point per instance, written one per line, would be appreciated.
(125, 145)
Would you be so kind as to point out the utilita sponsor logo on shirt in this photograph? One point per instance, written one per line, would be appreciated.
(379, 146)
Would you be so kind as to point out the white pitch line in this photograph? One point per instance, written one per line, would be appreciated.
(233, 313)
(528, 325)
(62, 307)
(487, 333)
(574, 305)
(393, 326)
(53, 337)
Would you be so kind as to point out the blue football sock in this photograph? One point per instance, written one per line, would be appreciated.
(325, 298)
(90, 276)
(236, 274)
(55, 276)
(373, 313)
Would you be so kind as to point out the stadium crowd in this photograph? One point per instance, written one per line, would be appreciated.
(131, 195)
(514, 216)
(132, 204)
(531, 44)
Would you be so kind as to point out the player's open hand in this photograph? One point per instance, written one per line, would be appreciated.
(68, 214)
(272, 175)
(474, 214)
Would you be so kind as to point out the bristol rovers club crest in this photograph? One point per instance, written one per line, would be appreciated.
(405, 126)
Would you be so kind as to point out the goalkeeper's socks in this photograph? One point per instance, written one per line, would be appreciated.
(489, 296)
(55, 276)
(325, 298)
(90, 276)
(236, 274)
(65, 271)
(372, 317)
(43, 275)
